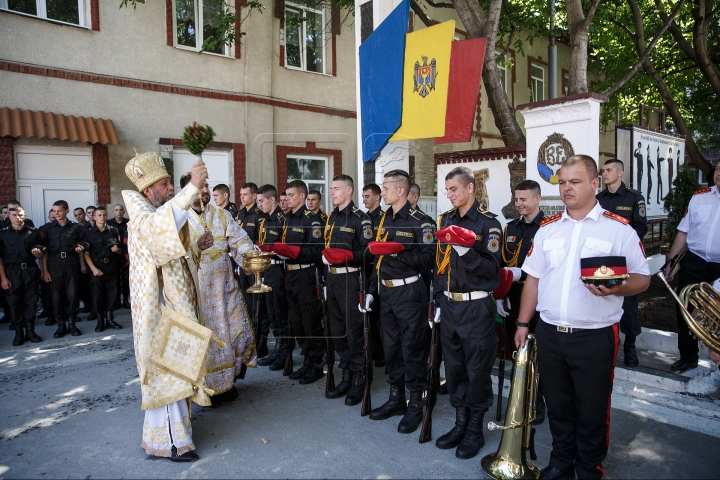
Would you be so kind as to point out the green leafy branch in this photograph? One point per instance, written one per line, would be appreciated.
(197, 137)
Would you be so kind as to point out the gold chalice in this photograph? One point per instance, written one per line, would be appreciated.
(256, 262)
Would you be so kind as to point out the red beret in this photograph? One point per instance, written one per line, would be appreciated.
(385, 248)
(455, 235)
(506, 280)
(265, 248)
(289, 251)
(337, 255)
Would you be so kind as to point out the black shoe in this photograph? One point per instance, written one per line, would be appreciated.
(50, 321)
(43, 314)
(72, 329)
(92, 316)
(313, 374)
(414, 415)
(552, 473)
(299, 372)
(264, 362)
(100, 327)
(453, 438)
(631, 358)
(262, 348)
(111, 323)
(474, 439)
(540, 409)
(395, 405)
(61, 330)
(279, 362)
(442, 389)
(190, 456)
(342, 388)
(126, 304)
(355, 395)
(683, 365)
(30, 332)
(19, 337)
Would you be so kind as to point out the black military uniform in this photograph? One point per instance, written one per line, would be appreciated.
(124, 272)
(84, 285)
(628, 203)
(378, 351)
(304, 229)
(349, 229)
(461, 288)
(404, 296)
(104, 287)
(6, 223)
(46, 299)
(270, 231)
(232, 209)
(63, 264)
(249, 220)
(24, 276)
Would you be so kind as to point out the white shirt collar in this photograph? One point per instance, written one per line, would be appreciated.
(593, 214)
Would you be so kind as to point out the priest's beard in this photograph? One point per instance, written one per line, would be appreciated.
(157, 199)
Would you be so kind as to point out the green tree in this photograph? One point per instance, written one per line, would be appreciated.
(677, 201)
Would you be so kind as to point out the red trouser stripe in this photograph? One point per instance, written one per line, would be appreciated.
(612, 378)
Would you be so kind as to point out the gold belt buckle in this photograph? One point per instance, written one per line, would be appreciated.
(333, 270)
(562, 329)
(388, 283)
(457, 297)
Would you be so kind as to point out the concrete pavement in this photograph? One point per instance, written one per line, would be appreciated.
(71, 408)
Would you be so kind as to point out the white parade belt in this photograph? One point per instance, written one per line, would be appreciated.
(337, 270)
(298, 266)
(400, 281)
(464, 297)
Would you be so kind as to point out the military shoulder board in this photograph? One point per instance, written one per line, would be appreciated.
(416, 214)
(632, 190)
(487, 213)
(616, 217)
(702, 190)
(550, 220)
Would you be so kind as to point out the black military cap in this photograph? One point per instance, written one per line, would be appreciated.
(608, 271)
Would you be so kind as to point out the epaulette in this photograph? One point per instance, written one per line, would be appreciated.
(616, 217)
(487, 213)
(280, 215)
(632, 190)
(258, 210)
(416, 214)
(702, 190)
(309, 213)
(449, 212)
(549, 220)
(358, 212)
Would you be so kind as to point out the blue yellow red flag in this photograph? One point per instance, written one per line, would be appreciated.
(425, 82)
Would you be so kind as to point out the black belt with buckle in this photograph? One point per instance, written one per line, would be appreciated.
(101, 260)
(60, 254)
(22, 265)
(570, 329)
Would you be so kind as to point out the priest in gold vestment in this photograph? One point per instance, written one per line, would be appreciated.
(163, 276)
(221, 302)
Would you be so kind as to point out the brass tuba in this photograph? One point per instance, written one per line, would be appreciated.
(704, 321)
(518, 437)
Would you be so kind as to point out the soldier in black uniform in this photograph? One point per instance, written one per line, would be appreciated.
(630, 204)
(270, 231)
(465, 276)
(6, 222)
(46, 289)
(221, 197)
(84, 288)
(301, 244)
(347, 233)
(517, 239)
(105, 258)
(62, 265)
(248, 218)
(120, 223)
(371, 200)
(20, 275)
(405, 297)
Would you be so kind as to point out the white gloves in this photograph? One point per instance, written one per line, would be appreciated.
(501, 308)
(281, 257)
(461, 250)
(517, 273)
(368, 300)
(325, 260)
(437, 316)
(256, 248)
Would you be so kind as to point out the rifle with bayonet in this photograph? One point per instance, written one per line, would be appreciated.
(367, 369)
(329, 347)
(433, 380)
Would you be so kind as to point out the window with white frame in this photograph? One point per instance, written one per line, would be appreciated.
(194, 23)
(313, 170)
(537, 79)
(304, 35)
(65, 11)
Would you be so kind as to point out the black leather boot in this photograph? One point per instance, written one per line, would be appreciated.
(100, 327)
(342, 388)
(110, 321)
(30, 331)
(414, 415)
(300, 371)
(279, 362)
(19, 336)
(61, 330)
(395, 405)
(474, 439)
(93, 316)
(355, 395)
(262, 348)
(453, 438)
(631, 357)
(264, 362)
(72, 329)
(50, 321)
(314, 373)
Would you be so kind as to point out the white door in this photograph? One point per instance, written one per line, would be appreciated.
(219, 166)
(46, 175)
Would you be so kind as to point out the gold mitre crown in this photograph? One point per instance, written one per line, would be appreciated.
(146, 169)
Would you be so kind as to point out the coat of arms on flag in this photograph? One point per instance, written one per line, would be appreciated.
(424, 80)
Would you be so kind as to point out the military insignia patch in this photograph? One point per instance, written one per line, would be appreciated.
(427, 235)
(511, 239)
(447, 237)
(367, 232)
(493, 243)
(641, 210)
(317, 232)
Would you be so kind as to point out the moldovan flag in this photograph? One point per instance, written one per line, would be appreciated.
(425, 82)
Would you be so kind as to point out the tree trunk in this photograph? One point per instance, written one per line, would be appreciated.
(478, 24)
(703, 15)
(578, 25)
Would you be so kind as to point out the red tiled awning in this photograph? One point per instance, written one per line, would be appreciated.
(27, 123)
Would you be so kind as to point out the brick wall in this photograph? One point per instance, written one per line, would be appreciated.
(7, 170)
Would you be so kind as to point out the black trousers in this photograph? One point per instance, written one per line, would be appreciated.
(276, 301)
(22, 297)
(46, 297)
(375, 328)
(85, 289)
(469, 343)
(104, 288)
(346, 321)
(65, 275)
(577, 371)
(305, 312)
(693, 269)
(405, 334)
(630, 320)
(263, 327)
